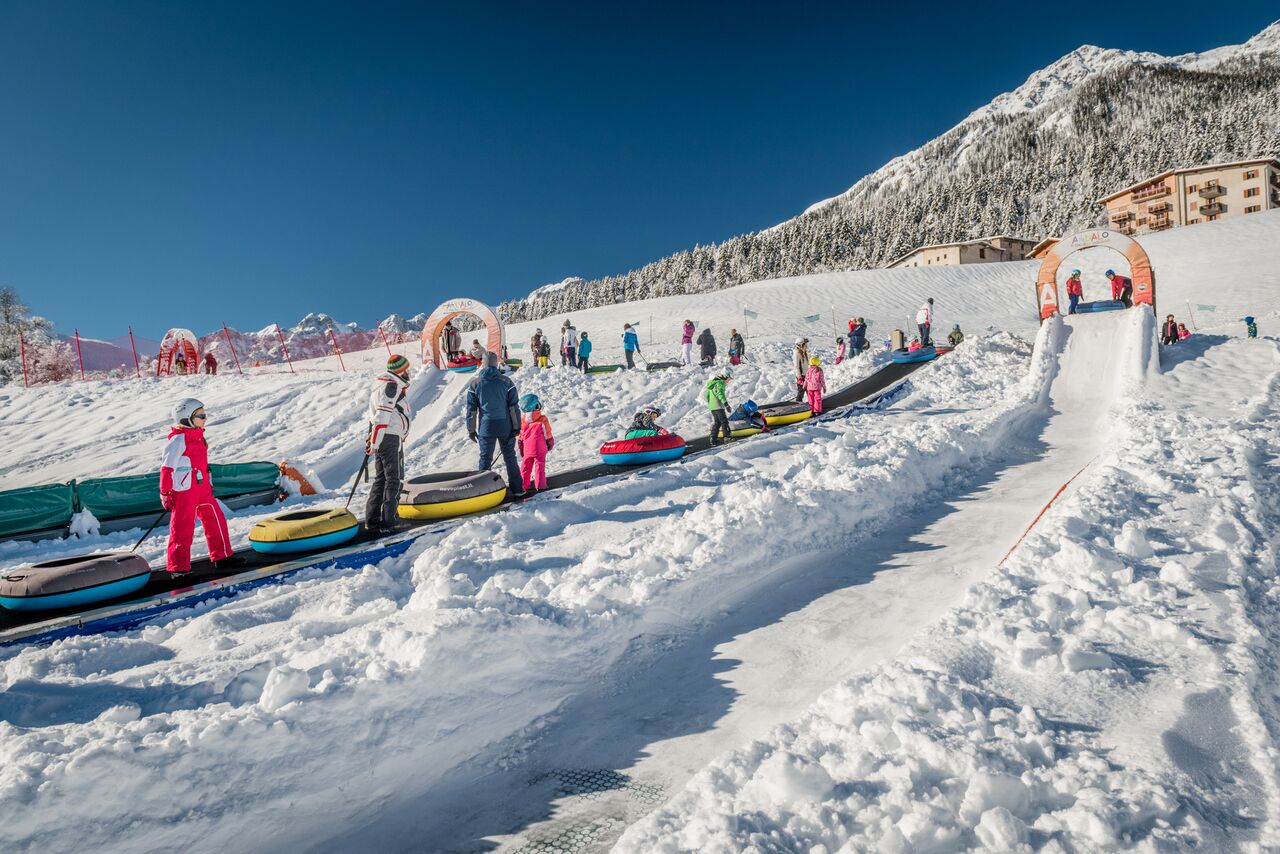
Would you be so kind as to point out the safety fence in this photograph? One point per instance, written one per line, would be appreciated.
(270, 350)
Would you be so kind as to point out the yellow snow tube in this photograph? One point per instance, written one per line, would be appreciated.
(303, 530)
(448, 494)
(742, 432)
(780, 415)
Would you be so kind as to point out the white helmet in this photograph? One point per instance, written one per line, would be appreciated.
(183, 411)
(799, 341)
(725, 373)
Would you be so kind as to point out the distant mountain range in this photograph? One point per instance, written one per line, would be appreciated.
(1031, 163)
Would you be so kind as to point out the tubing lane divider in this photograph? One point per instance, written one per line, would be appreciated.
(284, 349)
(137, 369)
(337, 351)
(79, 355)
(232, 348)
(1044, 510)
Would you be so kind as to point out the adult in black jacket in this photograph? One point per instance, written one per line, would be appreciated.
(707, 347)
(1169, 332)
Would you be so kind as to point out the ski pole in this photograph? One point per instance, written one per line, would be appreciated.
(163, 513)
(364, 468)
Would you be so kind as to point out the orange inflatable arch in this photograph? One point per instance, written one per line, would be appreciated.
(1144, 278)
(178, 341)
(496, 339)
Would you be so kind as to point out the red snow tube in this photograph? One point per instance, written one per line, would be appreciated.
(466, 363)
(648, 449)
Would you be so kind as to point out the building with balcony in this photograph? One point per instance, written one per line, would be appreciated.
(984, 250)
(1199, 194)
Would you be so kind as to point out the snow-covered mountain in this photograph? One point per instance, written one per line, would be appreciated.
(1030, 162)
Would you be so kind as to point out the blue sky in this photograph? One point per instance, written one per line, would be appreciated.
(184, 163)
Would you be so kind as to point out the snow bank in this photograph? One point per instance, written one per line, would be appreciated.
(1102, 689)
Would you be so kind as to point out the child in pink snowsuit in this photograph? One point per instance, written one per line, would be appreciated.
(815, 383)
(535, 443)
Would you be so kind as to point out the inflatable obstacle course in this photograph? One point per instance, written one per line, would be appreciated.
(448, 494)
(303, 530)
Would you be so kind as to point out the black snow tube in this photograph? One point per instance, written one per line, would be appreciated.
(451, 493)
(71, 581)
(660, 366)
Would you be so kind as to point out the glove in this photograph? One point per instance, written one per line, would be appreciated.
(519, 448)
(551, 443)
(166, 500)
(368, 447)
(471, 434)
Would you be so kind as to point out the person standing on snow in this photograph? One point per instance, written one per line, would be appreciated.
(568, 344)
(210, 364)
(1169, 331)
(1075, 290)
(535, 347)
(801, 366)
(186, 491)
(857, 336)
(956, 337)
(1121, 288)
(840, 349)
(389, 417)
(584, 353)
(535, 443)
(815, 384)
(737, 347)
(718, 404)
(493, 416)
(924, 321)
(180, 364)
(686, 343)
(630, 344)
(451, 341)
(1250, 328)
(707, 348)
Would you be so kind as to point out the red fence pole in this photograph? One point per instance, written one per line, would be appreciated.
(136, 368)
(336, 349)
(22, 343)
(285, 349)
(79, 355)
(232, 347)
(383, 333)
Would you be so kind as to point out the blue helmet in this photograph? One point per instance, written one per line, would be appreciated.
(1248, 320)
(750, 407)
(1109, 273)
(529, 402)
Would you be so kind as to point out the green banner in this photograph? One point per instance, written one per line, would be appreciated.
(1202, 307)
(749, 314)
(36, 508)
(813, 318)
(133, 495)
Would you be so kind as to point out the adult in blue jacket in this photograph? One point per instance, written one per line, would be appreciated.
(630, 344)
(493, 416)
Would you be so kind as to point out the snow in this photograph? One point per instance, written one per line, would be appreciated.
(806, 639)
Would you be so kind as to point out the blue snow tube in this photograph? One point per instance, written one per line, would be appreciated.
(646, 449)
(924, 354)
(1099, 305)
(73, 581)
(463, 366)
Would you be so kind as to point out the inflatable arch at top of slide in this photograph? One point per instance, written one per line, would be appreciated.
(446, 311)
(178, 341)
(1144, 278)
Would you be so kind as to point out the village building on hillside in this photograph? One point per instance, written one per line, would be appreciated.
(1200, 194)
(984, 250)
(1042, 248)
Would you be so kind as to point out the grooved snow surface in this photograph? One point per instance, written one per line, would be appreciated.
(1107, 686)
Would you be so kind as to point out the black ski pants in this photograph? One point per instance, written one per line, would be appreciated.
(384, 491)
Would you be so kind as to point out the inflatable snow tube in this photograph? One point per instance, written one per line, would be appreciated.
(514, 363)
(661, 366)
(72, 581)
(647, 449)
(448, 494)
(603, 369)
(739, 429)
(924, 354)
(303, 530)
(463, 365)
(1099, 305)
(782, 414)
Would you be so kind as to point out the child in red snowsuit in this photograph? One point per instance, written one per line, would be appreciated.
(535, 443)
(186, 491)
(815, 384)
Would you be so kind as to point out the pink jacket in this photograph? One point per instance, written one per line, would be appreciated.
(533, 438)
(687, 336)
(815, 379)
